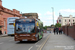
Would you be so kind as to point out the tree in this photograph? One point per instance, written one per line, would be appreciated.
(57, 25)
(45, 27)
(52, 25)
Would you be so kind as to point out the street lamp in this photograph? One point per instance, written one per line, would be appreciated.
(53, 14)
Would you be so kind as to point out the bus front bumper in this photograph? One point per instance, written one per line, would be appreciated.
(25, 39)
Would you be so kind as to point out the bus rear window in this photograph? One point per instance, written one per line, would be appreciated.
(12, 19)
(11, 23)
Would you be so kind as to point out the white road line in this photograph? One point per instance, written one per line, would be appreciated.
(38, 45)
(30, 47)
(1, 43)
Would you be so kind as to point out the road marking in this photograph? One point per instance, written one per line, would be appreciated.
(1, 43)
(30, 48)
(41, 46)
(37, 45)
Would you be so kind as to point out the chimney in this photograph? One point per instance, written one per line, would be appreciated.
(0, 2)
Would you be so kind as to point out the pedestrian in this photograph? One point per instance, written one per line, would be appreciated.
(57, 30)
(54, 30)
(0, 32)
(61, 30)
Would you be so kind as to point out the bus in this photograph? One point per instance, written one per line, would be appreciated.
(10, 27)
(28, 29)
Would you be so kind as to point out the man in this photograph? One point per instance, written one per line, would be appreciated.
(57, 30)
(54, 30)
(0, 32)
(61, 31)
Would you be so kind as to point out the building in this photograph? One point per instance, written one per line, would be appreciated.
(30, 15)
(4, 14)
(70, 20)
(50, 29)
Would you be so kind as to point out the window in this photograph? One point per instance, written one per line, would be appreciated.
(4, 24)
(65, 20)
(11, 19)
(25, 27)
(73, 20)
(69, 20)
(59, 20)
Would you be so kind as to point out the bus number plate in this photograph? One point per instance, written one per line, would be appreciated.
(24, 40)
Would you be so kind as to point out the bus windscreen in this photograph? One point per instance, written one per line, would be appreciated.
(25, 26)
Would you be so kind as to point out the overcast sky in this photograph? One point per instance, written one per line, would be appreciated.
(43, 8)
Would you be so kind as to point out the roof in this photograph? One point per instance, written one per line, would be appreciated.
(30, 14)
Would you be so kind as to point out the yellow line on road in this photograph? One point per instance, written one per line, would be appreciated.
(41, 46)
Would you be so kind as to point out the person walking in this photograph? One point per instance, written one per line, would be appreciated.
(0, 32)
(57, 30)
(61, 30)
(54, 30)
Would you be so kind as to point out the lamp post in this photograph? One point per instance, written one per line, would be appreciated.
(53, 14)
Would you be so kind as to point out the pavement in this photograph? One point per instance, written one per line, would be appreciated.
(59, 42)
(3, 35)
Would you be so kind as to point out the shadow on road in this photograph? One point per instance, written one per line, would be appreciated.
(26, 42)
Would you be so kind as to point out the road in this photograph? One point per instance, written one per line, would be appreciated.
(8, 43)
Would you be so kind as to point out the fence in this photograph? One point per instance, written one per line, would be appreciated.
(69, 31)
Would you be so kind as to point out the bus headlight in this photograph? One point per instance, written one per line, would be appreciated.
(16, 36)
(35, 35)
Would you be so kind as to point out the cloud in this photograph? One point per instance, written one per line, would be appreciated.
(67, 10)
(39, 14)
(47, 18)
(48, 13)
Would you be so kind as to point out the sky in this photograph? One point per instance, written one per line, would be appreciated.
(43, 8)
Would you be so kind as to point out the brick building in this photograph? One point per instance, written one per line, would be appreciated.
(4, 14)
(30, 15)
